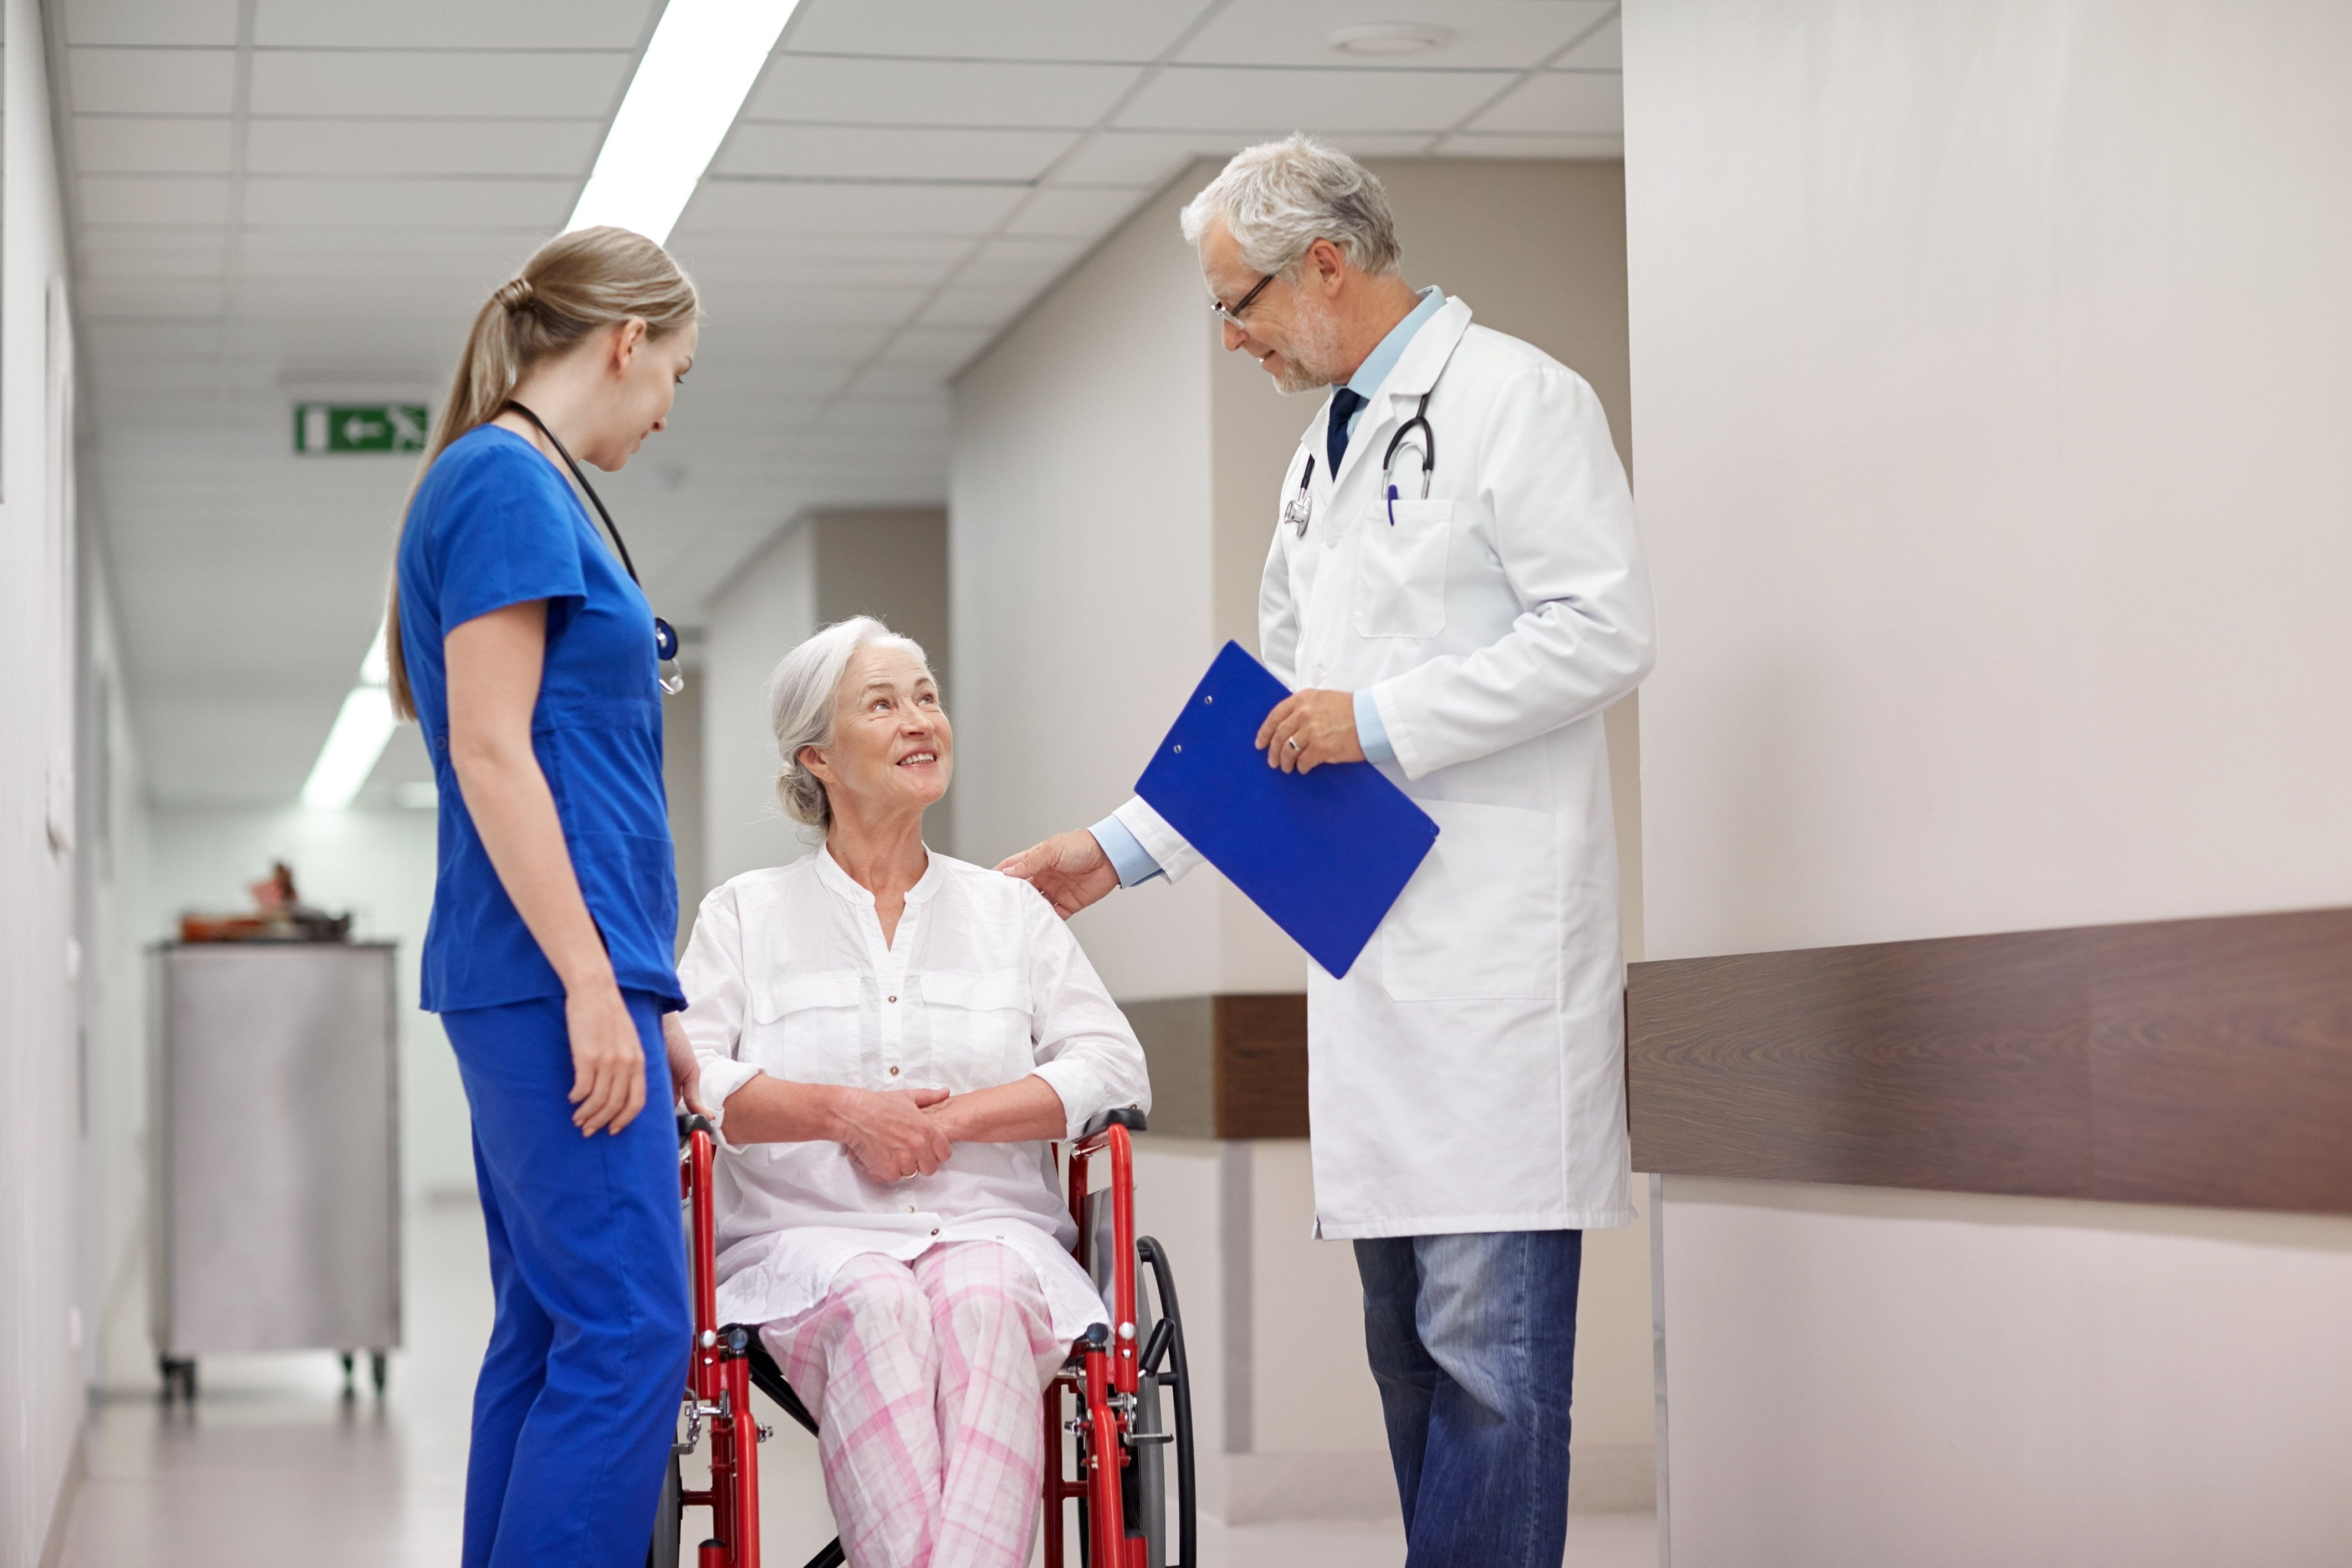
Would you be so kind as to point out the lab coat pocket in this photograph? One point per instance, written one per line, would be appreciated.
(804, 1028)
(1400, 569)
(980, 1029)
(1481, 918)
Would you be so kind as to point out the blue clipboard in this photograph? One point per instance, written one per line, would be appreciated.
(1323, 854)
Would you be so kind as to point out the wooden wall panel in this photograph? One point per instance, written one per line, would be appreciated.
(2202, 1062)
(1261, 1066)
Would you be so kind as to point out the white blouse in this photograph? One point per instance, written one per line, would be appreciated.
(787, 974)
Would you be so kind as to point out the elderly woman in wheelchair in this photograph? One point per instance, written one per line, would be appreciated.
(890, 1040)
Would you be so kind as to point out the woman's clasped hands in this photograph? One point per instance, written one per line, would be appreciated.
(890, 1133)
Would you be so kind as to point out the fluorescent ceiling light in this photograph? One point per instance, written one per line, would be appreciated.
(352, 749)
(361, 730)
(696, 72)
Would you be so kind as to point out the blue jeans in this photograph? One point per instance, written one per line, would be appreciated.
(577, 1397)
(1472, 1339)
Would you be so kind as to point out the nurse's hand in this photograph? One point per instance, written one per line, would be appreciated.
(608, 1060)
(1309, 728)
(1070, 869)
(886, 1132)
(685, 1067)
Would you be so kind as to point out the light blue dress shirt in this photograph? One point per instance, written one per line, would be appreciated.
(1129, 857)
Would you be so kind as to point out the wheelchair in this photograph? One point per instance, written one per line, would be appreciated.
(1124, 1395)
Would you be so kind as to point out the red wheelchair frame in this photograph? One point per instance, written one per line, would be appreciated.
(1114, 1376)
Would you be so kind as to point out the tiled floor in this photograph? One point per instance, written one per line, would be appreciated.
(273, 1467)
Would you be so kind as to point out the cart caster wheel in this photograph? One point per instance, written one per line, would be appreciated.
(179, 1378)
(379, 1367)
(350, 1361)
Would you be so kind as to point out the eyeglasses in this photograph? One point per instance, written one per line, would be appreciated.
(1217, 307)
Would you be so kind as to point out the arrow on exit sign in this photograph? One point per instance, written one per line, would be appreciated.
(359, 428)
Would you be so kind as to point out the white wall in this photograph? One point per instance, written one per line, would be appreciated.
(1991, 367)
(44, 1327)
(1080, 567)
(769, 606)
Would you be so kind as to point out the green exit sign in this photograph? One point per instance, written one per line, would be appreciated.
(359, 428)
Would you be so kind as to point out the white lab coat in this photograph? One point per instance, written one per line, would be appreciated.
(1467, 1074)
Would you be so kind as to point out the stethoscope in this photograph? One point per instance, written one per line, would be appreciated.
(671, 678)
(1301, 509)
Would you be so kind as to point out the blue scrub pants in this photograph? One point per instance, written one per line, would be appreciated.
(578, 1399)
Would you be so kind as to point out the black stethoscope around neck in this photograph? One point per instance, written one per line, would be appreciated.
(668, 673)
(1301, 510)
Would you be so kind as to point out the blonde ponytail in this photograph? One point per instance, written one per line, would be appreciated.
(575, 285)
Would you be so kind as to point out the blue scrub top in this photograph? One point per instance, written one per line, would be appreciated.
(494, 523)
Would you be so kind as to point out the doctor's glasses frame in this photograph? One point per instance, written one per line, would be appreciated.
(1218, 309)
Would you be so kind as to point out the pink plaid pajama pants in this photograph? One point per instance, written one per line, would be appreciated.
(925, 1378)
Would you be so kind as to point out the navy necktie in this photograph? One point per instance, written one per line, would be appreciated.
(1344, 404)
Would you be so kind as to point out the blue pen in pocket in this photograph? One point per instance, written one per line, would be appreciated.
(1392, 505)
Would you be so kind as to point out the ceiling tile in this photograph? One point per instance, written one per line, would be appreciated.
(784, 206)
(1510, 34)
(180, 253)
(827, 88)
(1116, 157)
(1602, 50)
(107, 144)
(423, 204)
(148, 297)
(959, 29)
(505, 24)
(974, 305)
(152, 81)
(143, 199)
(891, 152)
(418, 83)
(148, 21)
(1013, 262)
(901, 380)
(312, 146)
(1475, 144)
(482, 252)
(1250, 103)
(936, 347)
(1081, 213)
(1557, 102)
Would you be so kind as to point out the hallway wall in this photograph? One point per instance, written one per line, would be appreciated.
(44, 1326)
(1991, 364)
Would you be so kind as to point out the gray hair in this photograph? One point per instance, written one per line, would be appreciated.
(1277, 198)
(801, 695)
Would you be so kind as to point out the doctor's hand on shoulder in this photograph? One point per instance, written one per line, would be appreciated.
(1070, 869)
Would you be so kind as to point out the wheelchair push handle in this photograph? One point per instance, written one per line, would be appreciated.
(1127, 1117)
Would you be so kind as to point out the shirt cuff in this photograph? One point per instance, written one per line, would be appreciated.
(1127, 855)
(721, 1076)
(1370, 733)
(1079, 1088)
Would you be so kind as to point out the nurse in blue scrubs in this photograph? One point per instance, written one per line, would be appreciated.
(522, 643)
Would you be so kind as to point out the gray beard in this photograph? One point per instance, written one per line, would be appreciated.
(1310, 363)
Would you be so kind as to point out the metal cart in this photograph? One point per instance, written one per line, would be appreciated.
(277, 1153)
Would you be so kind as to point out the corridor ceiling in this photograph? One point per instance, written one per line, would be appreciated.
(274, 201)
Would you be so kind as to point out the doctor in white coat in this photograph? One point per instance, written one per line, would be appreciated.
(1454, 592)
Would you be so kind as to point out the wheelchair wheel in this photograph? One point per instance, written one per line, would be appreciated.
(669, 1520)
(1146, 1478)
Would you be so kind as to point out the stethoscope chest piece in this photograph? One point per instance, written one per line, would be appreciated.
(1301, 509)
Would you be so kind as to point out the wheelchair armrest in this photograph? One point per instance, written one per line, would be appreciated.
(1127, 1117)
